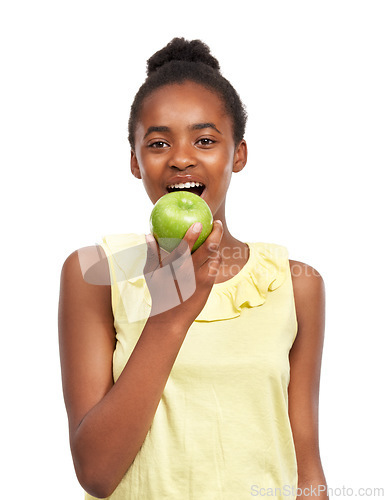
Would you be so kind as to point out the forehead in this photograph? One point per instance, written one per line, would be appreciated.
(188, 101)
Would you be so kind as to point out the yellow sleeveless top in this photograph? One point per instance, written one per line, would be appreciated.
(221, 430)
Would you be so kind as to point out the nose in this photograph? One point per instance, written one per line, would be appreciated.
(182, 156)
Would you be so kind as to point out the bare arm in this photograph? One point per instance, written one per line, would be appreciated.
(108, 422)
(305, 368)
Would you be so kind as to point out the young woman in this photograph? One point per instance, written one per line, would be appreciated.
(190, 398)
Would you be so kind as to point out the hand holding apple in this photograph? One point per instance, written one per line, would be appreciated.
(180, 282)
(174, 213)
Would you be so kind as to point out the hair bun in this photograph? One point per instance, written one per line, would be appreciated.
(180, 49)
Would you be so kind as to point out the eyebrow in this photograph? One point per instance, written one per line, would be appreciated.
(196, 126)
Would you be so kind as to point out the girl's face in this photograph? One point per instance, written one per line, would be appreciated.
(184, 135)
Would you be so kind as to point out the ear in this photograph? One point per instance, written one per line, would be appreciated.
(240, 156)
(135, 165)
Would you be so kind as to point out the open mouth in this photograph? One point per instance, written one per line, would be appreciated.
(191, 187)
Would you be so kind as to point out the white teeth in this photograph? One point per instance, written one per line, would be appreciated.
(184, 185)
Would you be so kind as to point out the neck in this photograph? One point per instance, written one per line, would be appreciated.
(234, 252)
(228, 240)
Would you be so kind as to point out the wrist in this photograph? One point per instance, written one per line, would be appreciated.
(169, 323)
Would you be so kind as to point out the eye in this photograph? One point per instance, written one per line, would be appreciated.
(205, 141)
(158, 145)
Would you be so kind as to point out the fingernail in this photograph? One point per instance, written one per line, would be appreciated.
(197, 227)
(220, 222)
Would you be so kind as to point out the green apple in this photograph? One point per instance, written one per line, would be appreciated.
(174, 213)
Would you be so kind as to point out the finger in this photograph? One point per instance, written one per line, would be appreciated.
(206, 252)
(216, 234)
(212, 242)
(183, 250)
(192, 234)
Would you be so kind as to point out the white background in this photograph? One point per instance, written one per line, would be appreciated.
(312, 77)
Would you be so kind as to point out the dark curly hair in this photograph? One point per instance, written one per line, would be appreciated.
(179, 61)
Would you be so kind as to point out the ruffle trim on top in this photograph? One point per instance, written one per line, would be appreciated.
(265, 270)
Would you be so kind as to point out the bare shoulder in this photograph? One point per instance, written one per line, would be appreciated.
(85, 290)
(304, 273)
(308, 288)
(91, 262)
(305, 278)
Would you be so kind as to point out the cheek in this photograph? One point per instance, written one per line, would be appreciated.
(149, 165)
(223, 164)
(222, 157)
(225, 179)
